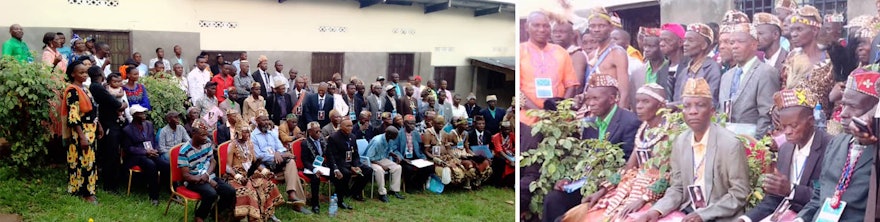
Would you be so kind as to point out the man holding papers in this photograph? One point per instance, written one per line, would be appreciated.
(379, 151)
(312, 149)
(416, 169)
(276, 158)
(345, 163)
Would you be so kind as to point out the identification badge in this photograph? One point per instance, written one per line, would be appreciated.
(779, 212)
(319, 161)
(148, 145)
(348, 156)
(393, 113)
(643, 156)
(726, 106)
(299, 111)
(543, 88)
(697, 199)
(407, 153)
(321, 115)
(460, 145)
(828, 213)
(352, 116)
(435, 150)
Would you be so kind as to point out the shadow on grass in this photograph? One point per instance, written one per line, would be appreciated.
(44, 198)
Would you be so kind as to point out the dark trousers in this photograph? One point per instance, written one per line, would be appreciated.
(415, 177)
(341, 185)
(108, 160)
(314, 185)
(499, 164)
(525, 196)
(151, 168)
(210, 194)
(556, 203)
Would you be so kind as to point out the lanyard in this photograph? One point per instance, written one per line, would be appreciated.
(801, 168)
(697, 165)
(845, 177)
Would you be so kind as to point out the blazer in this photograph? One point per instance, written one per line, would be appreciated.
(804, 190)
(310, 108)
(780, 61)
(471, 110)
(754, 97)
(416, 142)
(359, 104)
(309, 152)
(856, 195)
(133, 140)
(107, 107)
(338, 146)
(493, 124)
(405, 105)
(275, 110)
(621, 130)
(472, 140)
(637, 80)
(710, 70)
(374, 108)
(264, 91)
(223, 133)
(389, 104)
(726, 176)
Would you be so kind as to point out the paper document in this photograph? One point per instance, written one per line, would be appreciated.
(420, 163)
(323, 170)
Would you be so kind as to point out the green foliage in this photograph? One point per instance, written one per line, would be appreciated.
(562, 154)
(25, 95)
(165, 96)
(759, 159)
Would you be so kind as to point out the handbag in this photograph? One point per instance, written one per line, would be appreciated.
(446, 174)
(435, 185)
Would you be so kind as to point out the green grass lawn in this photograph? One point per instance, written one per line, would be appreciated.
(43, 198)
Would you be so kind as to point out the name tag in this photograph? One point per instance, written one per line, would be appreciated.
(148, 146)
(543, 88)
(321, 115)
(460, 145)
(348, 156)
(299, 110)
(828, 213)
(408, 154)
(697, 199)
(435, 150)
(319, 161)
(352, 116)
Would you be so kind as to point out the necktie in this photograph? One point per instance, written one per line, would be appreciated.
(320, 103)
(318, 145)
(737, 73)
(479, 138)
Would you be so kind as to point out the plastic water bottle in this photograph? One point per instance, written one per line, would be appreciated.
(819, 116)
(333, 206)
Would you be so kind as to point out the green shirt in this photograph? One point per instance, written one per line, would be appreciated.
(492, 111)
(18, 50)
(603, 122)
(650, 75)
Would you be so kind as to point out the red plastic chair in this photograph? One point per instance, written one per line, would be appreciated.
(223, 152)
(296, 149)
(185, 194)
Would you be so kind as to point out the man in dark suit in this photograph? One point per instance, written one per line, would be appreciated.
(262, 77)
(318, 105)
(108, 115)
(614, 124)
(362, 126)
(471, 107)
(859, 97)
(374, 105)
(279, 104)
(349, 98)
(493, 115)
(390, 102)
(800, 158)
(313, 147)
(408, 104)
(360, 102)
(345, 164)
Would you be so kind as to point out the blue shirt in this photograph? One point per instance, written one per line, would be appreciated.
(198, 160)
(379, 148)
(266, 145)
(401, 144)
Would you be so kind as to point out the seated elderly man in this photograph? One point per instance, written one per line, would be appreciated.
(379, 151)
(274, 156)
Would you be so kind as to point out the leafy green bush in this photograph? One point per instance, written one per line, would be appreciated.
(26, 92)
(562, 154)
(165, 96)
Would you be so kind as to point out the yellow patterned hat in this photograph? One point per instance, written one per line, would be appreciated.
(794, 97)
(697, 87)
(807, 15)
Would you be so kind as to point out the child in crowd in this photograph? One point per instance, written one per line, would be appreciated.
(114, 86)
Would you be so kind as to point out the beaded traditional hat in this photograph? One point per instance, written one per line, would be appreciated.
(602, 80)
(807, 15)
(863, 82)
(696, 87)
(703, 30)
(655, 32)
(747, 28)
(794, 97)
(786, 5)
(863, 26)
(763, 18)
(734, 16)
(601, 12)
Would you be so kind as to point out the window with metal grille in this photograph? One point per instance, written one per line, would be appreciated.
(750, 7)
(402, 64)
(445, 73)
(120, 45)
(325, 64)
(827, 7)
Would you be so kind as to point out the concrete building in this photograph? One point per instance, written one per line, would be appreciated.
(365, 38)
(690, 11)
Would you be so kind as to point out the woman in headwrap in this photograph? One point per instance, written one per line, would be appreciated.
(256, 195)
(475, 169)
(82, 132)
(79, 49)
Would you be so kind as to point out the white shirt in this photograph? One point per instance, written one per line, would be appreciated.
(799, 160)
(143, 70)
(100, 62)
(278, 76)
(321, 100)
(182, 83)
(634, 65)
(459, 111)
(772, 60)
(339, 105)
(699, 159)
(196, 81)
(153, 61)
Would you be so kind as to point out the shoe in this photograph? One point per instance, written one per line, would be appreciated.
(345, 206)
(275, 219)
(398, 195)
(359, 198)
(383, 198)
(305, 211)
(316, 209)
(154, 202)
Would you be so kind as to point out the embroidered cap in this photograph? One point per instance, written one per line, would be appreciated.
(763, 18)
(863, 26)
(863, 82)
(807, 15)
(602, 80)
(789, 5)
(734, 16)
(648, 90)
(835, 18)
(703, 30)
(697, 87)
(654, 32)
(601, 12)
(745, 27)
(794, 97)
(200, 123)
(262, 112)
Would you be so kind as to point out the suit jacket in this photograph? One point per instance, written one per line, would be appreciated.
(754, 97)
(472, 138)
(416, 141)
(710, 70)
(133, 139)
(856, 195)
(637, 80)
(338, 147)
(275, 110)
(374, 108)
(804, 190)
(310, 108)
(405, 105)
(472, 110)
(107, 107)
(360, 132)
(309, 152)
(780, 61)
(389, 104)
(875, 57)
(223, 133)
(621, 130)
(264, 90)
(493, 124)
(726, 176)
(359, 103)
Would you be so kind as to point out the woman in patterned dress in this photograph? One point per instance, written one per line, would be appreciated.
(256, 196)
(633, 193)
(81, 132)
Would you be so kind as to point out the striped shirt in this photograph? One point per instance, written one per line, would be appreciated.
(198, 160)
